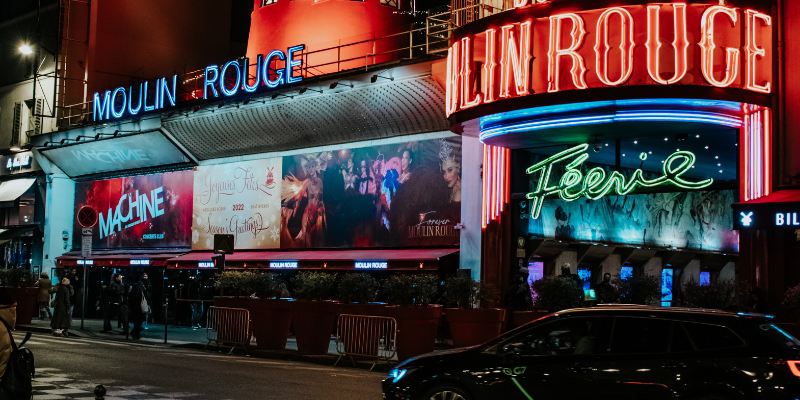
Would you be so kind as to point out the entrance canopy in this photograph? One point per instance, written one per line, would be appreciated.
(11, 190)
(112, 259)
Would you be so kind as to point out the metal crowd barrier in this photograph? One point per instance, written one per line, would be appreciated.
(366, 336)
(229, 327)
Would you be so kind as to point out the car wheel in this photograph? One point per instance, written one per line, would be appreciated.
(445, 392)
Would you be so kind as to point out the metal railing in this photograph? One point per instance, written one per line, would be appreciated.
(432, 40)
(366, 337)
(229, 327)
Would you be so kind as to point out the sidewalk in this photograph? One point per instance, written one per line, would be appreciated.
(196, 338)
(176, 335)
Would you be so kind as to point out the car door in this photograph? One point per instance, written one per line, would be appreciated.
(649, 355)
(556, 359)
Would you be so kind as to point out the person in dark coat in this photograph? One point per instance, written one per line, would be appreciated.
(45, 287)
(136, 311)
(62, 320)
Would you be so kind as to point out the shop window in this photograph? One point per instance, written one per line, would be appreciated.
(666, 287)
(705, 278)
(712, 337)
(641, 336)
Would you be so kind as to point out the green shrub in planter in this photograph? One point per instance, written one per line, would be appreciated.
(719, 295)
(17, 278)
(238, 283)
(462, 292)
(556, 293)
(357, 288)
(315, 286)
(791, 299)
(410, 289)
(642, 289)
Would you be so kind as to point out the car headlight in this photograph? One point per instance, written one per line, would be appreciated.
(396, 374)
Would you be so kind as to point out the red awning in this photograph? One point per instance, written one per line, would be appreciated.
(781, 196)
(261, 259)
(109, 259)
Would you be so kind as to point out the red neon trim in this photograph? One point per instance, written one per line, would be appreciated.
(483, 189)
(745, 138)
(794, 366)
(767, 152)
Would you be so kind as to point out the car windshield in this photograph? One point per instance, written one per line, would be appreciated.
(780, 336)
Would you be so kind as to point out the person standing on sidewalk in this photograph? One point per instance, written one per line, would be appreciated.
(75, 284)
(62, 319)
(148, 290)
(138, 307)
(117, 296)
(45, 287)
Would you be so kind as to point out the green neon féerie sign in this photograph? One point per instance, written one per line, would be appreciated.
(596, 182)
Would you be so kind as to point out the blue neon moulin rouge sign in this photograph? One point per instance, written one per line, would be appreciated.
(225, 80)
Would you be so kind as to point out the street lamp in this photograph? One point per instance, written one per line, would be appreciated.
(25, 49)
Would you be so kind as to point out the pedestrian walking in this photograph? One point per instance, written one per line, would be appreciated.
(62, 319)
(138, 307)
(148, 290)
(45, 288)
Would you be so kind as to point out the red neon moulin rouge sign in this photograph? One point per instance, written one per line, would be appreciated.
(538, 49)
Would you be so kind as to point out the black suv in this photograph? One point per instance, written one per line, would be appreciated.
(614, 352)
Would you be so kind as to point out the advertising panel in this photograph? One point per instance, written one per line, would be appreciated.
(242, 199)
(697, 220)
(404, 194)
(138, 211)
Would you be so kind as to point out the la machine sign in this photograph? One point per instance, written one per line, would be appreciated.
(278, 68)
(550, 48)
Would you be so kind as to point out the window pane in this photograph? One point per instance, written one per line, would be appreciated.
(712, 337)
(573, 336)
(641, 336)
(680, 341)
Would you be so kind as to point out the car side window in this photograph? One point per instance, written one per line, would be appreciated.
(638, 335)
(712, 337)
(570, 336)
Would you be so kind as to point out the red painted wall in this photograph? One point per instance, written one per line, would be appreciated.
(325, 24)
(788, 140)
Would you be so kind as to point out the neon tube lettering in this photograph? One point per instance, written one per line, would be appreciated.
(146, 93)
(235, 88)
(753, 51)
(597, 183)
(452, 92)
(708, 45)
(626, 44)
(292, 63)
(489, 66)
(101, 107)
(555, 52)
(680, 44)
(279, 72)
(467, 81)
(210, 77)
(246, 81)
(165, 92)
(131, 110)
(114, 112)
(515, 60)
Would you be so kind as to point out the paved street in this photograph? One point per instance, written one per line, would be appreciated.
(70, 368)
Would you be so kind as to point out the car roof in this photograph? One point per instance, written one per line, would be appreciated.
(675, 312)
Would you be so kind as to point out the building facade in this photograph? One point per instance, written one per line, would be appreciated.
(501, 138)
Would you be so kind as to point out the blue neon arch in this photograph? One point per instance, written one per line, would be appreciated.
(496, 127)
